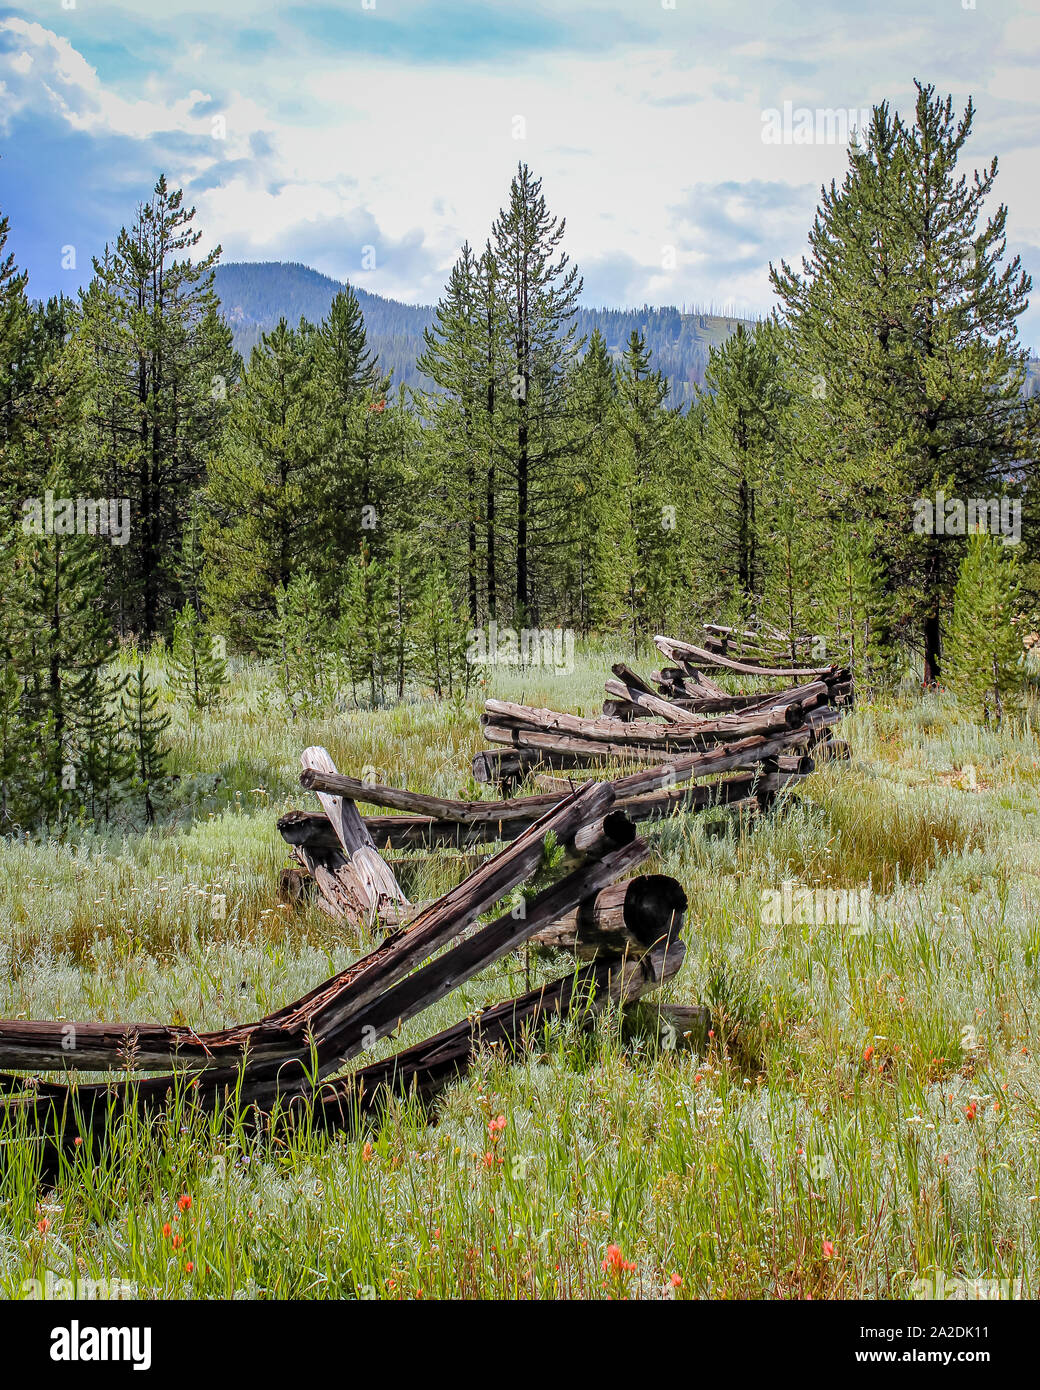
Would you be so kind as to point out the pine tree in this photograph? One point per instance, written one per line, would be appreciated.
(904, 356)
(853, 604)
(454, 358)
(439, 637)
(67, 645)
(365, 443)
(643, 444)
(365, 631)
(18, 745)
(261, 486)
(104, 763)
(342, 360)
(298, 637)
(17, 377)
(538, 291)
(985, 647)
(739, 464)
(157, 362)
(791, 568)
(145, 728)
(198, 669)
(593, 572)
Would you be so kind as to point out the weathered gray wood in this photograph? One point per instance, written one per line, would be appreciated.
(647, 704)
(422, 803)
(314, 1023)
(690, 654)
(357, 883)
(312, 830)
(508, 766)
(503, 718)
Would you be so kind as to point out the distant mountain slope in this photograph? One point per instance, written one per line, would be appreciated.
(256, 294)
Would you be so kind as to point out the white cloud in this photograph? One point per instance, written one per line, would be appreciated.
(642, 145)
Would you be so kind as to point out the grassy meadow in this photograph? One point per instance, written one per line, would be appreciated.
(866, 1118)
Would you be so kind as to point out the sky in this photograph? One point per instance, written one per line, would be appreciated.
(370, 138)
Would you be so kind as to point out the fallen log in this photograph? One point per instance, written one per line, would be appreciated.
(723, 759)
(506, 766)
(87, 1111)
(537, 740)
(312, 831)
(655, 777)
(645, 705)
(63, 1115)
(423, 803)
(686, 675)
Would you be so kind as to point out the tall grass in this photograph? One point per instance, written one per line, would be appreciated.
(866, 1115)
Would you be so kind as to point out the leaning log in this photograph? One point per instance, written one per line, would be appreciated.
(63, 1115)
(657, 776)
(351, 877)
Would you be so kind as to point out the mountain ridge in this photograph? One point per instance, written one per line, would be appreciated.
(254, 295)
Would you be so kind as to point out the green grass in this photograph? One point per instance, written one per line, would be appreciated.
(866, 1115)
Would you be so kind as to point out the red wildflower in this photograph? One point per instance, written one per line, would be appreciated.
(868, 1052)
(177, 1242)
(971, 1110)
(184, 1201)
(367, 1153)
(43, 1225)
(167, 1228)
(615, 1263)
(828, 1249)
(188, 1267)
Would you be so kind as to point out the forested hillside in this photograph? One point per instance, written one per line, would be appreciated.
(255, 295)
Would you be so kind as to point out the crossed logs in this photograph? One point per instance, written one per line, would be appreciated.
(573, 848)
